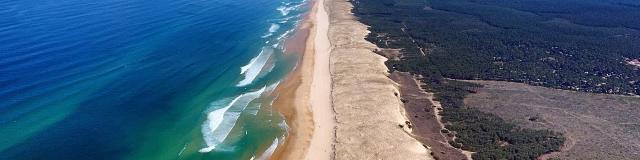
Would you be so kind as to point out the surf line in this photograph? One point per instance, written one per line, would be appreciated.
(220, 121)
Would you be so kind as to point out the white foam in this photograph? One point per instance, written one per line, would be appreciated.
(253, 111)
(214, 119)
(286, 9)
(248, 65)
(267, 35)
(285, 34)
(252, 70)
(284, 19)
(267, 153)
(220, 121)
(274, 27)
(268, 89)
(283, 124)
(283, 10)
(182, 150)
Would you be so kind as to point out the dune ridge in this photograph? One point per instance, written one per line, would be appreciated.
(368, 110)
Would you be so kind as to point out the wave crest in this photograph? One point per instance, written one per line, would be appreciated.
(253, 68)
(220, 121)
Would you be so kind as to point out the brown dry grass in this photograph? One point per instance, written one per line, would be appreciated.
(597, 126)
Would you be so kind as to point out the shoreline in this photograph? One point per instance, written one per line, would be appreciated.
(310, 120)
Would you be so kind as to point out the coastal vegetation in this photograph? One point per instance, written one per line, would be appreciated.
(363, 99)
(574, 45)
(588, 46)
(486, 134)
(595, 126)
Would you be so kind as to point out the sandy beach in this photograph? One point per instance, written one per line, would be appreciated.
(339, 102)
(304, 98)
(321, 146)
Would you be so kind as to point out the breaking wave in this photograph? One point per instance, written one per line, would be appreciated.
(253, 68)
(272, 29)
(267, 153)
(287, 8)
(223, 114)
(254, 109)
(220, 121)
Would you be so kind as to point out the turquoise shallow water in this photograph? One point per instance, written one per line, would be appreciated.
(134, 79)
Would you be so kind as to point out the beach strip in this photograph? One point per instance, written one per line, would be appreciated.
(304, 98)
(321, 146)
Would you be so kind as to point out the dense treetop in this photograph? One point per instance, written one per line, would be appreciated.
(579, 45)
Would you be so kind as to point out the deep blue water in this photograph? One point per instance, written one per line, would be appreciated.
(135, 79)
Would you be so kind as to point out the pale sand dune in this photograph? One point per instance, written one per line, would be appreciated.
(366, 109)
(367, 113)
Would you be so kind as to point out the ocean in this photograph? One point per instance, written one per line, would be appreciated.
(136, 79)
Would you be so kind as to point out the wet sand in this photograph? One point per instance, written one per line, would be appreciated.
(304, 96)
(340, 69)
